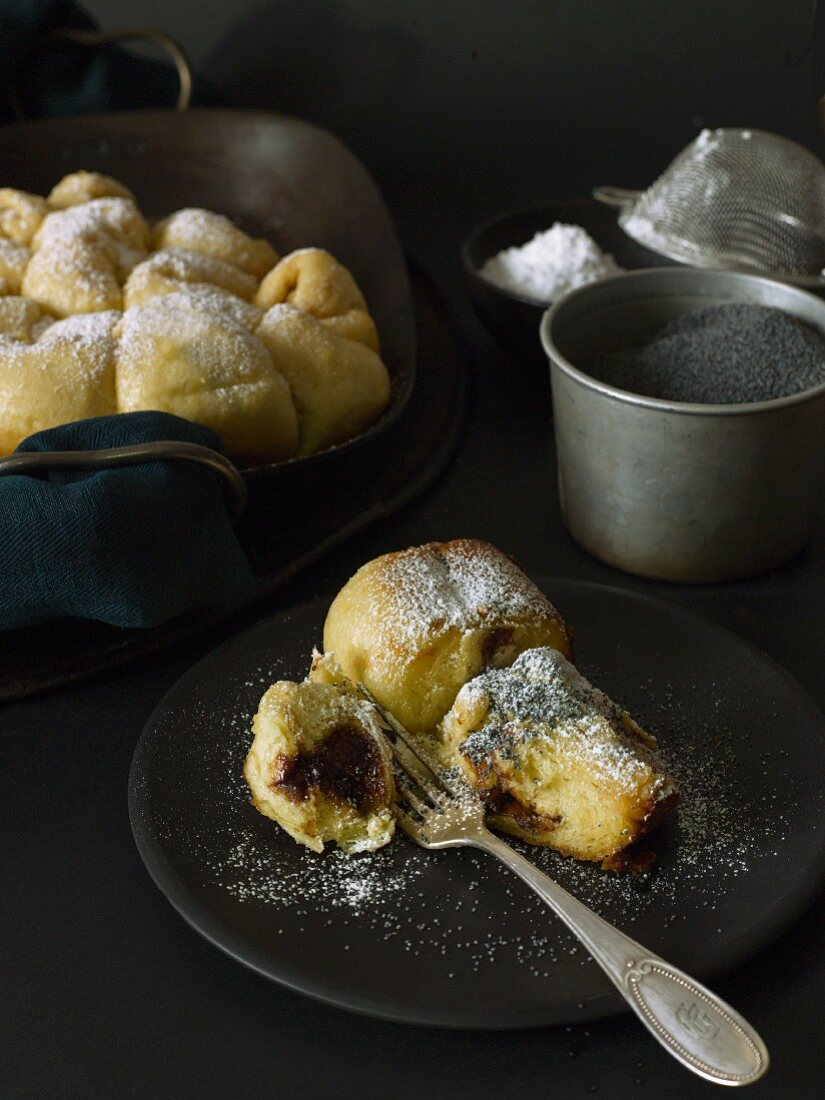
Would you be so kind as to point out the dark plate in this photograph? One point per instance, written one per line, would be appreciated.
(450, 938)
(278, 177)
(514, 318)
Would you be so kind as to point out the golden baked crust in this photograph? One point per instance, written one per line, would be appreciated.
(319, 766)
(416, 625)
(66, 373)
(192, 358)
(339, 386)
(86, 251)
(556, 761)
(312, 280)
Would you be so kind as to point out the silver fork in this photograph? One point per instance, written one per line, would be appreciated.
(694, 1025)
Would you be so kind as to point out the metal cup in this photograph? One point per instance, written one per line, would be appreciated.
(670, 490)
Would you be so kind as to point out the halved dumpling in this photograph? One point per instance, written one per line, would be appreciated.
(320, 767)
(556, 761)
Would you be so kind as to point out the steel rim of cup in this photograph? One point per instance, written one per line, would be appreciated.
(659, 404)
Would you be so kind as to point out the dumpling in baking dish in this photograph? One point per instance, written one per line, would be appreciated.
(21, 214)
(176, 269)
(53, 373)
(84, 186)
(187, 354)
(339, 385)
(14, 259)
(312, 280)
(215, 235)
(83, 255)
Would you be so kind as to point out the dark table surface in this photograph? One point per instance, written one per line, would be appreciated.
(106, 992)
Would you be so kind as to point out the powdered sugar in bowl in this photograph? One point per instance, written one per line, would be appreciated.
(685, 490)
(518, 263)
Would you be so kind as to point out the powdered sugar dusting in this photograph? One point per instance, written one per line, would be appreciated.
(542, 696)
(553, 262)
(112, 226)
(476, 915)
(460, 585)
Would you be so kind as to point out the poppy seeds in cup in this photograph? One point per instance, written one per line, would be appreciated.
(720, 355)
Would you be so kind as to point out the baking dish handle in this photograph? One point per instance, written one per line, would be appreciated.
(143, 34)
(37, 462)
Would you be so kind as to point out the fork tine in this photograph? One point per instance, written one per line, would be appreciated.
(404, 789)
(409, 826)
(409, 764)
(409, 757)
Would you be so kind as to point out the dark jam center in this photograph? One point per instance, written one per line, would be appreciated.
(345, 767)
(495, 641)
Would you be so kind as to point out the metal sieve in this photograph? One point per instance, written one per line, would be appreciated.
(733, 198)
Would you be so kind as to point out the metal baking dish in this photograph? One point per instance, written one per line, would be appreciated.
(275, 176)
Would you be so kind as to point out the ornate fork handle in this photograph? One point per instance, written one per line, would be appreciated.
(692, 1023)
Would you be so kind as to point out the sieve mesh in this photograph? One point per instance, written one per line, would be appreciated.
(736, 198)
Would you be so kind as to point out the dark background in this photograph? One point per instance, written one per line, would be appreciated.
(466, 88)
(460, 109)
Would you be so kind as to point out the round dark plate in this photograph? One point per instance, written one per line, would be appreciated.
(451, 938)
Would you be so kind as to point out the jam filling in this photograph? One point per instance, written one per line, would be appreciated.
(346, 767)
(496, 640)
(499, 802)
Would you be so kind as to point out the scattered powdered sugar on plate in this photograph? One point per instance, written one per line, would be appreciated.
(553, 262)
(705, 847)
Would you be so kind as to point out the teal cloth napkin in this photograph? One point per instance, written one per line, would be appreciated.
(133, 546)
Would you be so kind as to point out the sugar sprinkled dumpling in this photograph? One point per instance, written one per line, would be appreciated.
(414, 626)
(215, 235)
(83, 255)
(22, 318)
(115, 225)
(320, 767)
(557, 762)
(174, 269)
(191, 357)
(14, 259)
(20, 214)
(66, 373)
(339, 386)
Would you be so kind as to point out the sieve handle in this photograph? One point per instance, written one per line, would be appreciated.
(615, 196)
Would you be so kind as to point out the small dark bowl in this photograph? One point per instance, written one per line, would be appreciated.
(514, 319)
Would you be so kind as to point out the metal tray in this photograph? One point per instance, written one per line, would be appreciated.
(290, 523)
(295, 184)
(276, 176)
